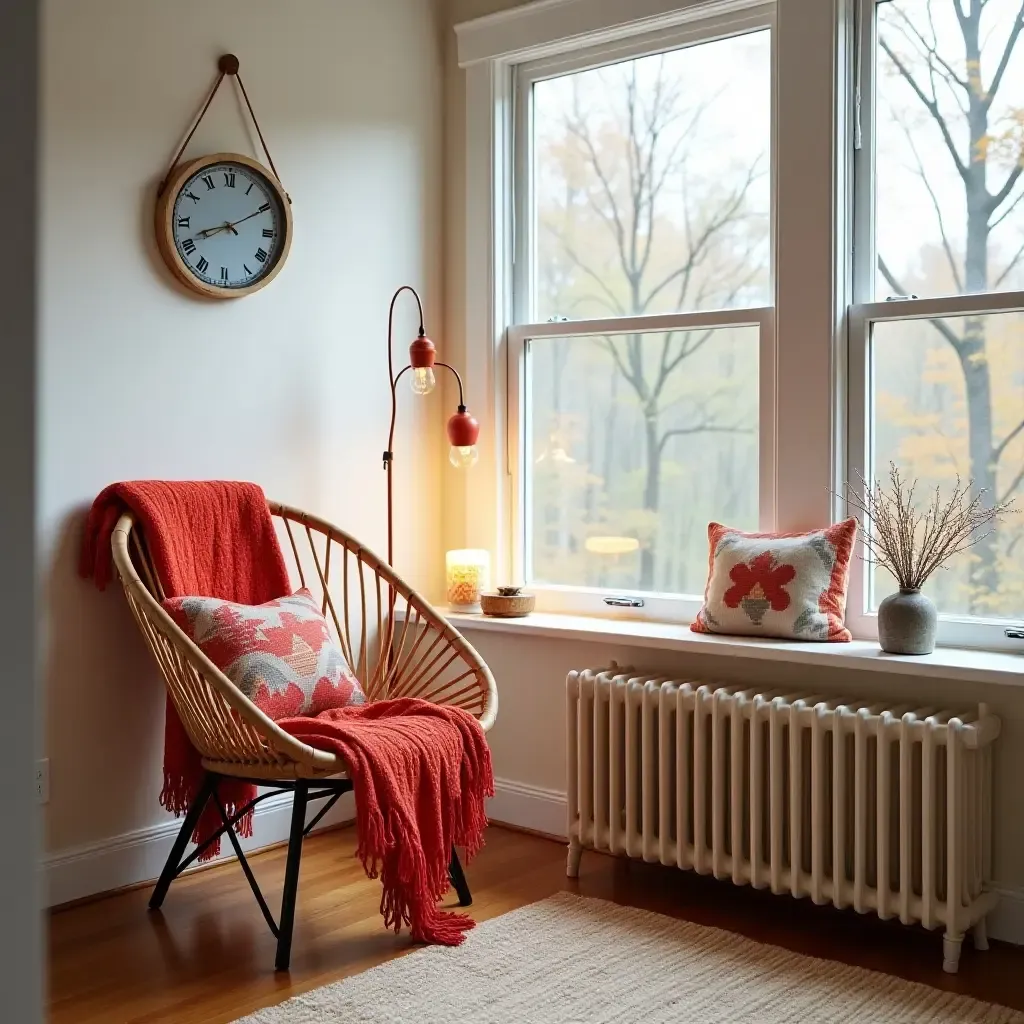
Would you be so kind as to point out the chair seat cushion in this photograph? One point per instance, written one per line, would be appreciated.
(280, 654)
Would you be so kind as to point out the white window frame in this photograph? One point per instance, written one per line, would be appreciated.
(760, 17)
(864, 313)
(804, 371)
(656, 606)
(593, 600)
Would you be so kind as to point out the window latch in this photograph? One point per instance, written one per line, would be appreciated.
(1015, 633)
(624, 602)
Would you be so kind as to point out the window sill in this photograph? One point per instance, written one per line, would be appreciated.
(954, 663)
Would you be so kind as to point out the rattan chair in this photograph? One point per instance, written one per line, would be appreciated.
(397, 645)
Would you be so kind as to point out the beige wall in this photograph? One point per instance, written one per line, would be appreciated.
(286, 387)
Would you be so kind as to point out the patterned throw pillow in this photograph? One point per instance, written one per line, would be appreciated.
(789, 585)
(279, 654)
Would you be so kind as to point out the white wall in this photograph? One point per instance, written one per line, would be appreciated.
(287, 387)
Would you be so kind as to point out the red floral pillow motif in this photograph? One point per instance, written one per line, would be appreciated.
(279, 654)
(789, 585)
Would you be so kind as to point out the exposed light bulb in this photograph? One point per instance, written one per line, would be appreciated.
(422, 380)
(463, 456)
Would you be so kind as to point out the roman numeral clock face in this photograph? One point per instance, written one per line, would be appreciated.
(226, 226)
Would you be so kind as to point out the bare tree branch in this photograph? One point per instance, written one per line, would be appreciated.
(657, 184)
(1009, 267)
(701, 428)
(929, 103)
(929, 50)
(592, 274)
(947, 248)
(997, 452)
(937, 68)
(633, 161)
(728, 214)
(1006, 213)
(1014, 484)
(609, 343)
(575, 128)
(684, 353)
(1011, 180)
(1004, 60)
(688, 349)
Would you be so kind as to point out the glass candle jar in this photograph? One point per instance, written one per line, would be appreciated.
(468, 573)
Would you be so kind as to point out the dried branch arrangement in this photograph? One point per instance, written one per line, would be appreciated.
(911, 544)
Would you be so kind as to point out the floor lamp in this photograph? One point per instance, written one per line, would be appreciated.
(463, 429)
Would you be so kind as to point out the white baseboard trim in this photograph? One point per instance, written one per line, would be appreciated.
(532, 807)
(139, 856)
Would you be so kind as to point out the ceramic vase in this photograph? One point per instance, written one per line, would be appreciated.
(906, 623)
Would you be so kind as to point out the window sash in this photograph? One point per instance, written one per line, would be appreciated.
(583, 600)
(954, 630)
(708, 29)
(751, 17)
(863, 313)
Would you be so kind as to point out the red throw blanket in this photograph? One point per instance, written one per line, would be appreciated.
(206, 539)
(421, 772)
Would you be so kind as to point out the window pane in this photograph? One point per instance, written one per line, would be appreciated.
(949, 134)
(651, 183)
(948, 397)
(635, 442)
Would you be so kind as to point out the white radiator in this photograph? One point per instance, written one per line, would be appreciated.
(866, 805)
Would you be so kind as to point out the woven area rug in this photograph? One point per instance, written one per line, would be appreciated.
(568, 960)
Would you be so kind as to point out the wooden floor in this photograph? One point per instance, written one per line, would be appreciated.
(207, 957)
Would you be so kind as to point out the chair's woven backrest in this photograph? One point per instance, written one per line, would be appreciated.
(397, 645)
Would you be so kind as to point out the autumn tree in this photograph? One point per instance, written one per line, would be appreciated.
(955, 81)
(640, 226)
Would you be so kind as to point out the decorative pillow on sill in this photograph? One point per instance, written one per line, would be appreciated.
(787, 585)
(279, 654)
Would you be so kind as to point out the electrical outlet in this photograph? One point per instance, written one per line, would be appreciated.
(43, 781)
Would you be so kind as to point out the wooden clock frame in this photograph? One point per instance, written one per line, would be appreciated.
(165, 225)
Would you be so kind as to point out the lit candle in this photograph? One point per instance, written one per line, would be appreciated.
(468, 575)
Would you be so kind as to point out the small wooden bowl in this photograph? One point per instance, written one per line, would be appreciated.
(507, 606)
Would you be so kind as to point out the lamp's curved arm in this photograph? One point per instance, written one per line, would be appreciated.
(389, 454)
(462, 399)
(391, 321)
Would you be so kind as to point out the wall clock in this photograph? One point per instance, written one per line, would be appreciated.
(223, 225)
(223, 222)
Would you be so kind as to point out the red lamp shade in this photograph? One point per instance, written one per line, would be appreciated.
(463, 429)
(422, 352)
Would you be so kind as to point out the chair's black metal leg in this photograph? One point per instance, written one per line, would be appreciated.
(458, 877)
(291, 877)
(188, 826)
(246, 870)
